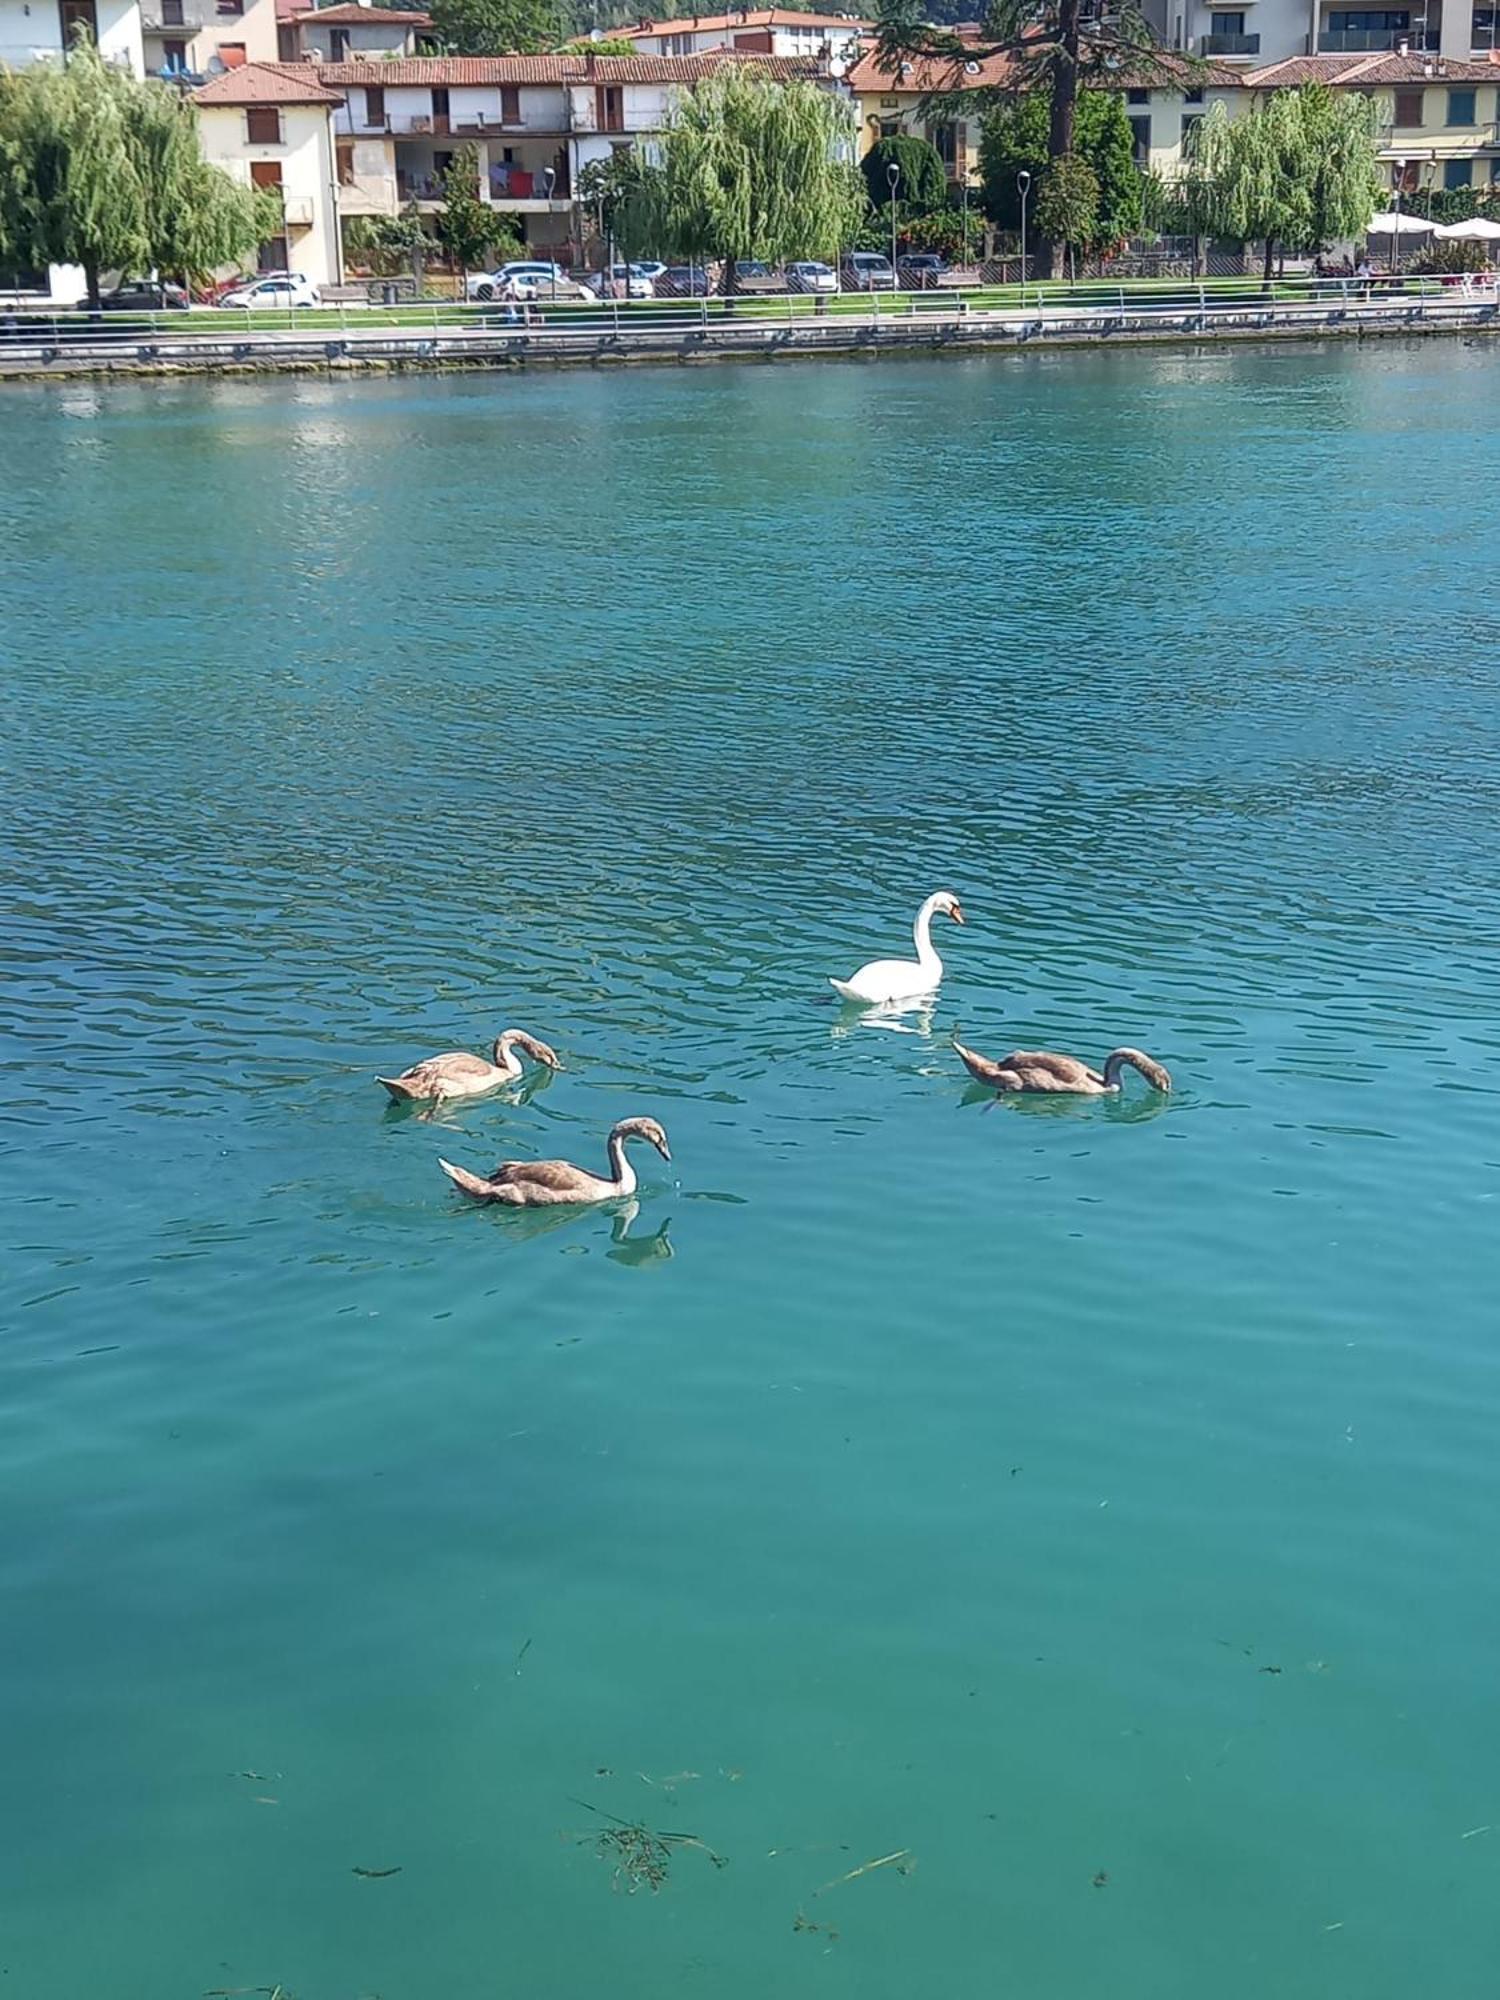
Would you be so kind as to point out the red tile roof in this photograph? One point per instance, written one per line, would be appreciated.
(265, 83)
(1367, 70)
(481, 70)
(354, 16)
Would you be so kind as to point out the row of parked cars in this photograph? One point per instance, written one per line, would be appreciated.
(527, 282)
(270, 288)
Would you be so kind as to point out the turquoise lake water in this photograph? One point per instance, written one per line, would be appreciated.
(1093, 1505)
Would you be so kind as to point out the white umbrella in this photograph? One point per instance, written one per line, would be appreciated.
(1392, 223)
(1478, 229)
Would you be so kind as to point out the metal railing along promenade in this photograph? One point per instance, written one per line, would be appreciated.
(436, 332)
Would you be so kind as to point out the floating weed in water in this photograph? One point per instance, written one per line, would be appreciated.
(903, 1861)
(640, 1855)
(805, 1923)
(375, 1874)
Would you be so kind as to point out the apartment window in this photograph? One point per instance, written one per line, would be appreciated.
(375, 106)
(510, 104)
(1364, 20)
(1142, 96)
(944, 138)
(263, 125)
(1408, 107)
(232, 55)
(1191, 120)
(890, 128)
(1140, 133)
(1458, 173)
(78, 17)
(1461, 109)
(440, 111)
(1192, 96)
(1226, 24)
(1484, 28)
(231, 6)
(338, 45)
(346, 166)
(174, 55)
(172, 15)
(609, 107)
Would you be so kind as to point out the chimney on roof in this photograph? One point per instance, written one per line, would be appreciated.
(1403, 48)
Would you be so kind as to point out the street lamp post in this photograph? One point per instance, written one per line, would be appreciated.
(893, 175)
(1398, 176)
(549, 181)
(1023, 182)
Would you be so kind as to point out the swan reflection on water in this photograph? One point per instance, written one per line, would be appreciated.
(913, 1018)
(440, 1110)
(526, 1225)
(1022, 1104)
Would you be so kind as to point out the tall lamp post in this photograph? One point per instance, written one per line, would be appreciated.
(1023, 182)
(549, 181)
(1398, 175)
(893, 175)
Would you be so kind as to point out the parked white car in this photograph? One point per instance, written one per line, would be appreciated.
(810, 277)
(487, 285)
(633, 281)
(530, 288)
(276, 288)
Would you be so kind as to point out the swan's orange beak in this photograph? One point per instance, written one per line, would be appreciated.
(957, 914)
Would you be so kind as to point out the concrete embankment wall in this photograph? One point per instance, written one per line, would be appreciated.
(355, 349)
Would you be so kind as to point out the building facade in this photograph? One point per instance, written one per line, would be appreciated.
(37, 30)
(769, 31)
(1439, 120)
(198, 38)
(352, 31)
(1257, 32)
(535, 122)
(272, 127)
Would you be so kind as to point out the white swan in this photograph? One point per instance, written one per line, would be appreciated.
(886, 981)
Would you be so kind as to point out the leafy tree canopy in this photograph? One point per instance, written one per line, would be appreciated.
(745, 168)
(102, 170)
(1301, 171)
(923, 183)
(1015, 138)
(496, 27)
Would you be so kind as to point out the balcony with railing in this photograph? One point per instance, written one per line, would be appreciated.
(1371, 41)
(1229, 45)
(186, 17)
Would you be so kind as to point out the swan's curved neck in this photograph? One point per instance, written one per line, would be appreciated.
(921, 932)
(622, 1173)
(505, 1056)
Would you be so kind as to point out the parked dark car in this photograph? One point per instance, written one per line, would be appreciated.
(750, 275)
(922, 271)
(145, 295)
(867, 271)
(683, 281)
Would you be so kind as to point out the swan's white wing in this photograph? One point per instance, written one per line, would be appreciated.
(888, 979)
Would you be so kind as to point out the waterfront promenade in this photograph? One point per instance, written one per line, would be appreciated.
(437, 336)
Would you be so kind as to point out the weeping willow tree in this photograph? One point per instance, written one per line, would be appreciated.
(745, 168)
(102, 170)
(1299, 172)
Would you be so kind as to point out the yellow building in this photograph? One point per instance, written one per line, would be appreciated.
(1438, 116)
(273, 126)
(899, 103)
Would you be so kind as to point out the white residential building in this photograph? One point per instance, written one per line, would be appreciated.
(1266, 31)
(35, 30)
(270, 125)
(535, 121)
(770, 31)
(349, 31)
